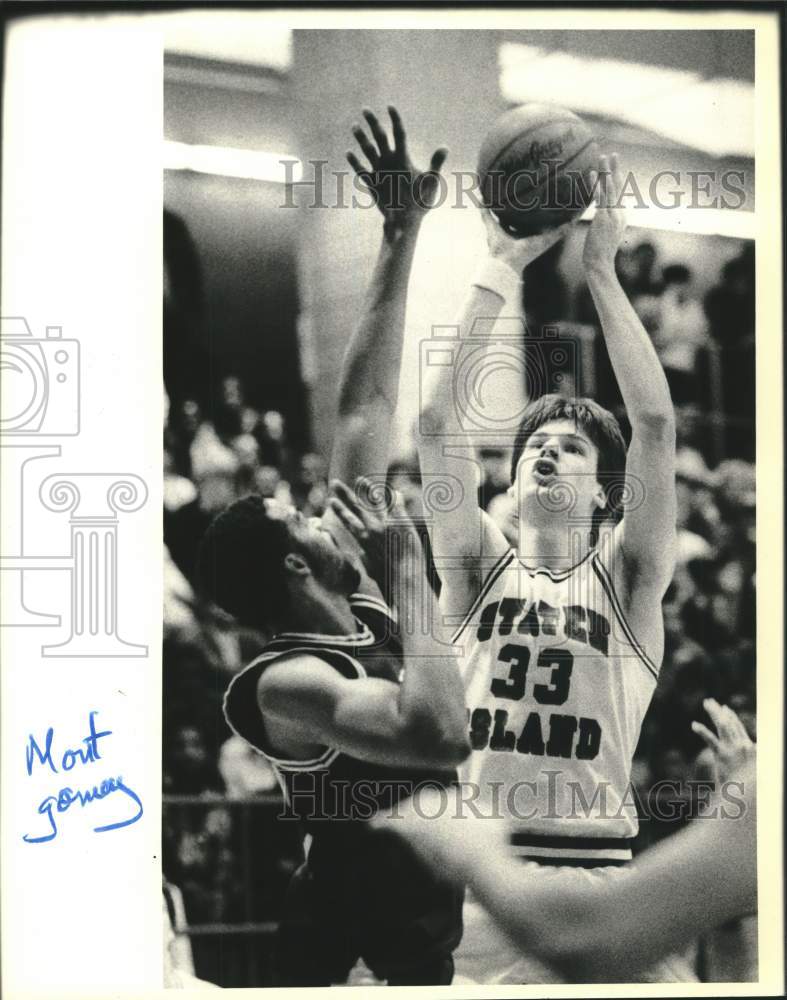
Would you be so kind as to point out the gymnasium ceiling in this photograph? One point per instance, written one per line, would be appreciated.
(693, 88)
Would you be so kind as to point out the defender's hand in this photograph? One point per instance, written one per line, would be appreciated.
(402, 192)
(731, 745)
(609, 223)
(372, 520)
(518, 251)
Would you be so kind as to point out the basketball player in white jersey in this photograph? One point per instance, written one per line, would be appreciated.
(591, 928)
(562, 638)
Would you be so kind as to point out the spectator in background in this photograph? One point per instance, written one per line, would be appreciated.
(183, 422)
(681, 332)
(636, 269)
(310, 489)
(729, 308)
(272, 438)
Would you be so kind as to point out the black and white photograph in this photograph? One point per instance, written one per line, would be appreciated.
(426, 631)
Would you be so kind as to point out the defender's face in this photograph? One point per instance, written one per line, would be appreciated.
(558, 451)
(329, 563)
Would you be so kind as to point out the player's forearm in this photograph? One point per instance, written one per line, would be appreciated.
(493, 285)
(370, 372)
(431, 696)
(637, 368)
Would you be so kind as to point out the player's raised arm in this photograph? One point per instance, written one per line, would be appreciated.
(464, 540)
(370, 373)
(419, 722)
(648, 531)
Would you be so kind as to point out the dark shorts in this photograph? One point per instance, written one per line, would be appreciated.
(320, 939)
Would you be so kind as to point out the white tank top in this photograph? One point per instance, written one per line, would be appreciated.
(557, 687)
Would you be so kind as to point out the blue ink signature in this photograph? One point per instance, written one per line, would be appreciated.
(66, 796)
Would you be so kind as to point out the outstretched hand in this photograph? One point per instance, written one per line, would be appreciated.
(371, 515)
(402, 192)
(518, 251)
(609, 223)
(731, 745)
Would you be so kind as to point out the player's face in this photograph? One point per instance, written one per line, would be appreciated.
(558, 452)
(329, 563)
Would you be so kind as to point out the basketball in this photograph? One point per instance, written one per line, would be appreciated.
(534, 168)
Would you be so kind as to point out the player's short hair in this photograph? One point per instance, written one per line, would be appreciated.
(600, 426)
(240, 565)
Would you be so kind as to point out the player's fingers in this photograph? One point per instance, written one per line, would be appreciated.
(734, 727)
(353, 523)
(737, 723)
(438, 159)
(399, 135)
(367, 148)
(359, 168)
(379, 135)
(346, 495)
(603, 187)
(614, 172)
(705, 734)
(595, 186)
(373, 495)
(714, 710)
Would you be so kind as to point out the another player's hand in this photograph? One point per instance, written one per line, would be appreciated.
(518, 251)
(731, 745)
(373, 516)
(402, 192)
(605, 232)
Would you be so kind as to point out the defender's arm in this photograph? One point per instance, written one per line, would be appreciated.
(370, 373)
(422, 720)
(364, 717)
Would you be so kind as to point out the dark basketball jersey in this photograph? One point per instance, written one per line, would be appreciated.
(368, 887)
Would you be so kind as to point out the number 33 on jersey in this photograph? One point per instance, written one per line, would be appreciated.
(557, 687)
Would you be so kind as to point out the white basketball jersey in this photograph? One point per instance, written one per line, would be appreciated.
(557, 687)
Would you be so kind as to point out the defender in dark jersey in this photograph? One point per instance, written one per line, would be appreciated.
(349, 732)
(351, 712)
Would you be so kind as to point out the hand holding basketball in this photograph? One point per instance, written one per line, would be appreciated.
(609, 223)
(402, 192)
(518, 251)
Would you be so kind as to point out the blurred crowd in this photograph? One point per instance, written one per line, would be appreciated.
(234, 869)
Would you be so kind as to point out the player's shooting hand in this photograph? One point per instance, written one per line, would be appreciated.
(402, 192)
(731, 745)
(518, 251)
(609, 223)
(374, 518)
